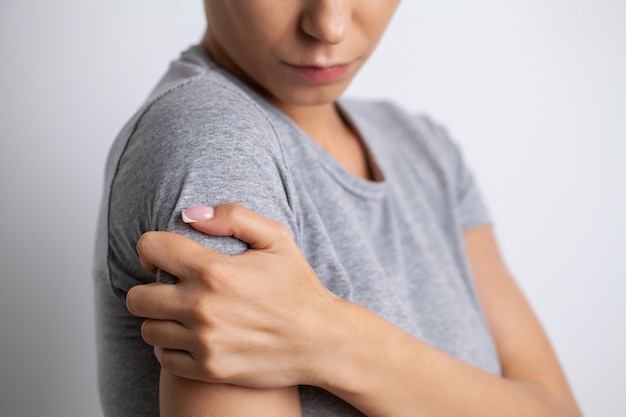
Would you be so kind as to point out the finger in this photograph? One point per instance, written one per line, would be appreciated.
(178, 362)
(148, 267)
(236, 220)
(155, 301)
(173, 253)
(166, 334)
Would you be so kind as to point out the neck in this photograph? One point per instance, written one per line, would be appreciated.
(323, 123)
(326, 126)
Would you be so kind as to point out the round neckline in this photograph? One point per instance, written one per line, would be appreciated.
(362, 187)
(358, 186)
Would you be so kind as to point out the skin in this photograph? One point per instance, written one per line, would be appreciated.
(320, 33)
(236, 334)
(296, 332)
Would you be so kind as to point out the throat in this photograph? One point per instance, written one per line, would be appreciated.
(345, 144)
(336, 134)
(351, 153)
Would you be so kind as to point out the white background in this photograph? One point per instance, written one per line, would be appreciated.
(533, 90)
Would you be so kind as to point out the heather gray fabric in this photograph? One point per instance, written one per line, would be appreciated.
(395, 246)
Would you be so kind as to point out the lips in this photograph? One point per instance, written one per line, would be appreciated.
(320, 75)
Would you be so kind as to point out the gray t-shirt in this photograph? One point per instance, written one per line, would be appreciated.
(394, 246)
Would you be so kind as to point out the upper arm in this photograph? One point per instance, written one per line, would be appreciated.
(199, 145)
(184, 397)
(188, 152)
(232, 161)
(523, 347)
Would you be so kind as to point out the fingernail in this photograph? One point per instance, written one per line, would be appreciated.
(197, 214)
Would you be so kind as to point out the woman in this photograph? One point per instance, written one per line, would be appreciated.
(363, 276)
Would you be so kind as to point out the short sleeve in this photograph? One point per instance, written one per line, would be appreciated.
(184, 153)
(201, 142)
(470, 209)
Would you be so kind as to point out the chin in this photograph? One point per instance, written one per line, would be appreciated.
(313, 95)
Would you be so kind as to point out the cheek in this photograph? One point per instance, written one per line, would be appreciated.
(261, 27)
(258, 47)
(245, 28)
(376, 21)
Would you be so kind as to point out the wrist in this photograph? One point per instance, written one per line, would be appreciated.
(360, 353)
(346, 349)
(326, 343)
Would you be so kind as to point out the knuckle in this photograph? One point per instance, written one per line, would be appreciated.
(167, 361)
(230, 207)
(199, 310)
(235, 212)
(211, 358)
(282, 232)
(206, 360)
(214, 370)
(219, 273)
(213, 273)
(205, 346)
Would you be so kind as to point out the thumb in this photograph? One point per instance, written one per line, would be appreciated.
(236, 220)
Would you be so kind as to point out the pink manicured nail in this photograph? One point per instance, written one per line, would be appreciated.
(197, 214)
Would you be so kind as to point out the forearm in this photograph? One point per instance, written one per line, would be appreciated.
(383, 371)
(189, 398)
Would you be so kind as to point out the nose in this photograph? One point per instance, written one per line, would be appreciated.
(328, 21)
